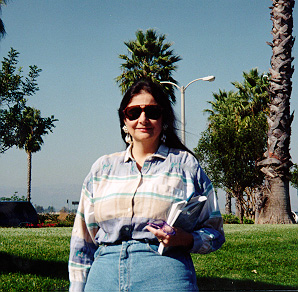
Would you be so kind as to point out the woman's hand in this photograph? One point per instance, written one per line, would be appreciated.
(181, 238)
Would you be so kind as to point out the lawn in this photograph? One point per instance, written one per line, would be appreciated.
(254, 257)
(34, 259)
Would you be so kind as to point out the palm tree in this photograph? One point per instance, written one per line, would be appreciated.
(254, 90)
(149, 56)
(2, 28)
(275, 204)
(31, 128)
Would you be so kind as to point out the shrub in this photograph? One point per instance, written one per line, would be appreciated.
(248, 221)
(68, 222)
(232, 219)
(47, 218)
(55, 220)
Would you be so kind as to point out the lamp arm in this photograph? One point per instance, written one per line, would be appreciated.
(207, 78)
(192, 82)
(172, 83)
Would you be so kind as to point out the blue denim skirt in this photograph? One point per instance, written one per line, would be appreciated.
(137, 266)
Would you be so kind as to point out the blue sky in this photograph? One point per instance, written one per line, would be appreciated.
(77, 43)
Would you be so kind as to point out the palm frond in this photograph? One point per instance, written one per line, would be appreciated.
(148, 56)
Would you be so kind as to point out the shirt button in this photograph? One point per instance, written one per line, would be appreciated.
(128, 209)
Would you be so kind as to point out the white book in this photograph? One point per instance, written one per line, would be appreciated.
(185, 214)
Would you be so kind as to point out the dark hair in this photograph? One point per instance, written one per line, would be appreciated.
(168, 115)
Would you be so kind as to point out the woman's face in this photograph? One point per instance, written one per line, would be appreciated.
(144, 129)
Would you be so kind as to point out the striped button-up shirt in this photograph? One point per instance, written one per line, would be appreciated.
(118, 200)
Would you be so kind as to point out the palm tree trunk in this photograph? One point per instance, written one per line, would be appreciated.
(29, 168)
(276, 199)
(276, 206)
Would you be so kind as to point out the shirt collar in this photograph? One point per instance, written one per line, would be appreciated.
(128, 155)
(162, 153)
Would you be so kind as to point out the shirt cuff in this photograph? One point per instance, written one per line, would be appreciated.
(77, 286)
(197, 243)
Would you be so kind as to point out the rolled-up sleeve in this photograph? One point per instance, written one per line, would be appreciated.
(209, 234)
(83, 244)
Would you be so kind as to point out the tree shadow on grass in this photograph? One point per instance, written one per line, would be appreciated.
(225, 284)
(15, 264)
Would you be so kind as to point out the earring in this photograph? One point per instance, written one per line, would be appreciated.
(164, 136)
(127, 137)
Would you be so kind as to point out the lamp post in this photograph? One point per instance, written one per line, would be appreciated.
(182, 90)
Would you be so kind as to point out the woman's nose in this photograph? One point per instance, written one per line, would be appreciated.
(143, 117)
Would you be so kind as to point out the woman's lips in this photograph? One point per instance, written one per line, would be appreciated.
(144, 129)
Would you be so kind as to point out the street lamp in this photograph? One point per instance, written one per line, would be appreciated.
(182, 90)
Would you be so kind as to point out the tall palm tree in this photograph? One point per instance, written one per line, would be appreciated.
(2, 27)
(254, 90)
(31, 128)
(275, 204)
(149, 56)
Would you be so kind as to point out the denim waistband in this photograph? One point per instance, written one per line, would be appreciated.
(143, 240)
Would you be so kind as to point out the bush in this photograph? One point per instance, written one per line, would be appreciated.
(248, 221)
(47, 218)
(68, 222)
(232, 219)
(52, 220)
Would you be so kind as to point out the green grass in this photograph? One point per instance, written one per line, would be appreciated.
(254, 257)
(34, 259)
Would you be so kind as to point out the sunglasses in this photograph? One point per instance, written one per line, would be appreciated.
(152, 112)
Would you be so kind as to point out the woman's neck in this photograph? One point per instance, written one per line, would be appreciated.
(141, 151)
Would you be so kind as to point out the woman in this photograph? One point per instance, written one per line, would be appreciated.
(113, 248)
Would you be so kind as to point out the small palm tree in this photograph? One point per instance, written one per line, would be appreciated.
(31, 128)
(149, 56)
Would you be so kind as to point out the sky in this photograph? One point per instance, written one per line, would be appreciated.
(77, 43)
